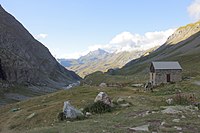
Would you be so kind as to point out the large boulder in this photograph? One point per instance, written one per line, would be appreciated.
(103, 97)
(70, 112)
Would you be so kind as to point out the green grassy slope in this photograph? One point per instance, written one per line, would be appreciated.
(47, 107)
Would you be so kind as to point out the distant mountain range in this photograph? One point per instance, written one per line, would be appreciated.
(90, 57)
(99, 60)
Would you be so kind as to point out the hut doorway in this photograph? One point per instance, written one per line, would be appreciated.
(168, 78)
(2, 73)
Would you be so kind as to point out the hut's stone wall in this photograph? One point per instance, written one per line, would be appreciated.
(161, 76)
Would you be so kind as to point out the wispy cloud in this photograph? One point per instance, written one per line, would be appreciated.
(41, 36)
(194, 10)
(127, 41)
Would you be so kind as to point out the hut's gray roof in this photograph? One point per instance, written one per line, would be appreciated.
(167, 65)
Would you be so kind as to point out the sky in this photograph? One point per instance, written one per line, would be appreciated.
(71, 28)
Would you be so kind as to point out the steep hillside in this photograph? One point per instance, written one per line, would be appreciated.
(183, 45)
(24, 60)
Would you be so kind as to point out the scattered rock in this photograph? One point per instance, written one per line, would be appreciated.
(169, 101)
(170, 110)
(199, 116)
(129, 97)
(103, 97)
(140, 128)
(197, 83)
(81, 109)
(177, 128)
(15, 109)
(125, 105)
(183, 117)
(137, 85)
(177, 109)
(103, 85)
(70, 112)
(87, 114)
(31, 115)
(120, 100)
(176, 120)
(163, 123)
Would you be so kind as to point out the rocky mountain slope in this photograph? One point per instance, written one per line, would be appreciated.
(100, 60)
(24, 60)
(182, 46)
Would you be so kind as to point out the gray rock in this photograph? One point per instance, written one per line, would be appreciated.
(178, 128)
(170, 110)
(88, 114)
(183, 117)
(176, 120)
(169, 101)
(70, 112)
(140, 128)
(31, 115)
(163, 123)
(103, 85)
(177, 109)
(125, 105)
(120, 100)
(137, 85)
(103, 97)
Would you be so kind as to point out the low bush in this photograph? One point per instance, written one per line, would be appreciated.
(61, 117)
(184, 99)
(97, 107)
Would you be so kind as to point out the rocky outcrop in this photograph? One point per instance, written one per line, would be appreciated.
(26, 60)
(184, 33)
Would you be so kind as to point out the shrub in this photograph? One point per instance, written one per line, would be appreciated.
(61, 116)
(97, 107)
(184, 99)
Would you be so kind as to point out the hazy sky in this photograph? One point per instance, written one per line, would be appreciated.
(70, 28)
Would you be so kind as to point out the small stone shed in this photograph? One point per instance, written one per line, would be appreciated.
(164, 72)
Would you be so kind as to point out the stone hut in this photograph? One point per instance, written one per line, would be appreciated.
(164, 72)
